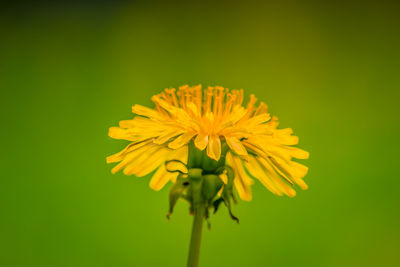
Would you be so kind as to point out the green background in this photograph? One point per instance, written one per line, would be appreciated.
(69, 71)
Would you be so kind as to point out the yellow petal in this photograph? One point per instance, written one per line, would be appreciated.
(140, 160)
(181, 140)
(120, 155)
(259, 119)
(280, 169)
(237, 114)
(147, 112)
(297, 152)
(278, 152)
(283, 186)
(298, 170)
(192, 107)
(201, 141)
(166, 136)
(284, 137)
(165, 105)
(119, 133)
(130, 157)
(146, 167)
(244, 193)
(236, 145)
(127, 123)
(160, 178)
(288, 140)
(241, 181)
(301, 183)
(179, 154)
(255, 170)
(214, 147)
(224, 178)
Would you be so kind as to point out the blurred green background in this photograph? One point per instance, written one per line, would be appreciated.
(329, 70)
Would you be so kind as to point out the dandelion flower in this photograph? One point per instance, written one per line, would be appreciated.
(209, 145)
(210, 117)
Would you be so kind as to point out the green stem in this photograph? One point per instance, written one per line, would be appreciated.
(194, 250)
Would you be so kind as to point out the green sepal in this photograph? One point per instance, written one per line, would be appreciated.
(211, 186)
(199, 158)
(227, 192)
(177, 191)
(181, 168)
(226, 201)
(217, 203)
(195, 186)
(199, 181)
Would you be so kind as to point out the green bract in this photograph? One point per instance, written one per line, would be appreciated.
(200, 183)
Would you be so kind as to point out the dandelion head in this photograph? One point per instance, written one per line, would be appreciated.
(214, 130)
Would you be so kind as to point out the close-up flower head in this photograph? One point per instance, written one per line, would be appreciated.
(209, 144)
(217, 121)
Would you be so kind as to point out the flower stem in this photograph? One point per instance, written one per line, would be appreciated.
(194, 250)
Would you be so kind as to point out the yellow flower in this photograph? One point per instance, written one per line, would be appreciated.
(209, 117)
